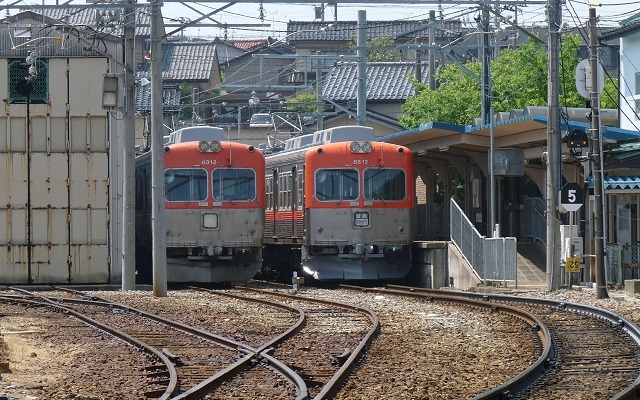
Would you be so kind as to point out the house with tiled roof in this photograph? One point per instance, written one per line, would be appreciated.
(248, 44)
(627, 36)
(228, 50)
(622, 162)
(261, 73)
(190, 74)
(333, 39)
(388, 87)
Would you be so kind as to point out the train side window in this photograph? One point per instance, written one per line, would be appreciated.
(234, 184)
(287, 191)
(284, 190)
(185, 184)
(300, 189)
(384, 184)
(336, 184)
(269, 192)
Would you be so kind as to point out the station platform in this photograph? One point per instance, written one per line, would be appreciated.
(531, 265)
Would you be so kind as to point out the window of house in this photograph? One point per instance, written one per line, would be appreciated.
(35, 89)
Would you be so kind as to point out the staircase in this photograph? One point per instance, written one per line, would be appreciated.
(532, 265)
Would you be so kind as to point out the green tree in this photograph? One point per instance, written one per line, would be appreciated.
(379, 49)
(610, 97)
(519, 79)
(304, 102)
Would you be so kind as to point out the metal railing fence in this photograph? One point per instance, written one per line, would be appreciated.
(623, 262)
(534, 223)
(491, 258)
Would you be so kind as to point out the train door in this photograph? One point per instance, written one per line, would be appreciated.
(298, 203)
(275, 201)
(285, 214)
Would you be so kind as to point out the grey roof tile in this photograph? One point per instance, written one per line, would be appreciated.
(170, 99)
(347, 30)
(385, 81)
(88, 17)
(185, 62)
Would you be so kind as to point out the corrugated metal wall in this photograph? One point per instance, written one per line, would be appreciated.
(54, 173)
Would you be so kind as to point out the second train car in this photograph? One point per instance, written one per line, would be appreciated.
(214, 208)
(339, 207)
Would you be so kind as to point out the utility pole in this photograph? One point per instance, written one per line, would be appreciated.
(157, 156)
(432, 51)
(362, 68)
(487, 113)
(129, 143)
(319, 101)
(598, 168)
(486, 64)
(553, 158)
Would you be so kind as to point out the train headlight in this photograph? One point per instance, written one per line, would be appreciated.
(401, 229)
(209, 220)
(215, 146)
(203, 146)
(361, 147)
(206, 147)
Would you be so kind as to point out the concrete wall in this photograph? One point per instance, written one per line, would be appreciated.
(463, 276)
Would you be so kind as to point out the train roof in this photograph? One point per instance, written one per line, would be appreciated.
(344, 134)
(331, 135)
(296, 147)
(196, 134)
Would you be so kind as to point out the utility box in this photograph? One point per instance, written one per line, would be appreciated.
(572, 248)
(632, 287)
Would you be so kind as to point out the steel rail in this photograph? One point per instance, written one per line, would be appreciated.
(632, 391)
(265, 349)
(42, 301)
(521, 381)
(332, 386)
(206, 386)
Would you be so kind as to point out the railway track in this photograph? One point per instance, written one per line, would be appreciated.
(273, 343)
(593, 353)
(184, 362)
(316, 349)
(333, 341)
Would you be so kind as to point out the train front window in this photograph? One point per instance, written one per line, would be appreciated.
(337, 184)
(185, 184)
(384, 184)
(234, 184)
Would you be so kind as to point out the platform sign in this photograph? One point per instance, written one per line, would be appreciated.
(571, 197)
(573, 264)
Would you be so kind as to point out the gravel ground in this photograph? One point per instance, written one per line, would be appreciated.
(36, 360)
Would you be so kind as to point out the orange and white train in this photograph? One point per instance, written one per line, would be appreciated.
(339, 206)
(214, 208)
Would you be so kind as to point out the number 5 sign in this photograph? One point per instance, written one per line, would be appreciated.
(571, 197)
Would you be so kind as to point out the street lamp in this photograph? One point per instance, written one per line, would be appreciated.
(254, 100)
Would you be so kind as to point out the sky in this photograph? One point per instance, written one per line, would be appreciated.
(276, 15)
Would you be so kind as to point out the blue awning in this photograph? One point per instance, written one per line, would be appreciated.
(619, 182)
